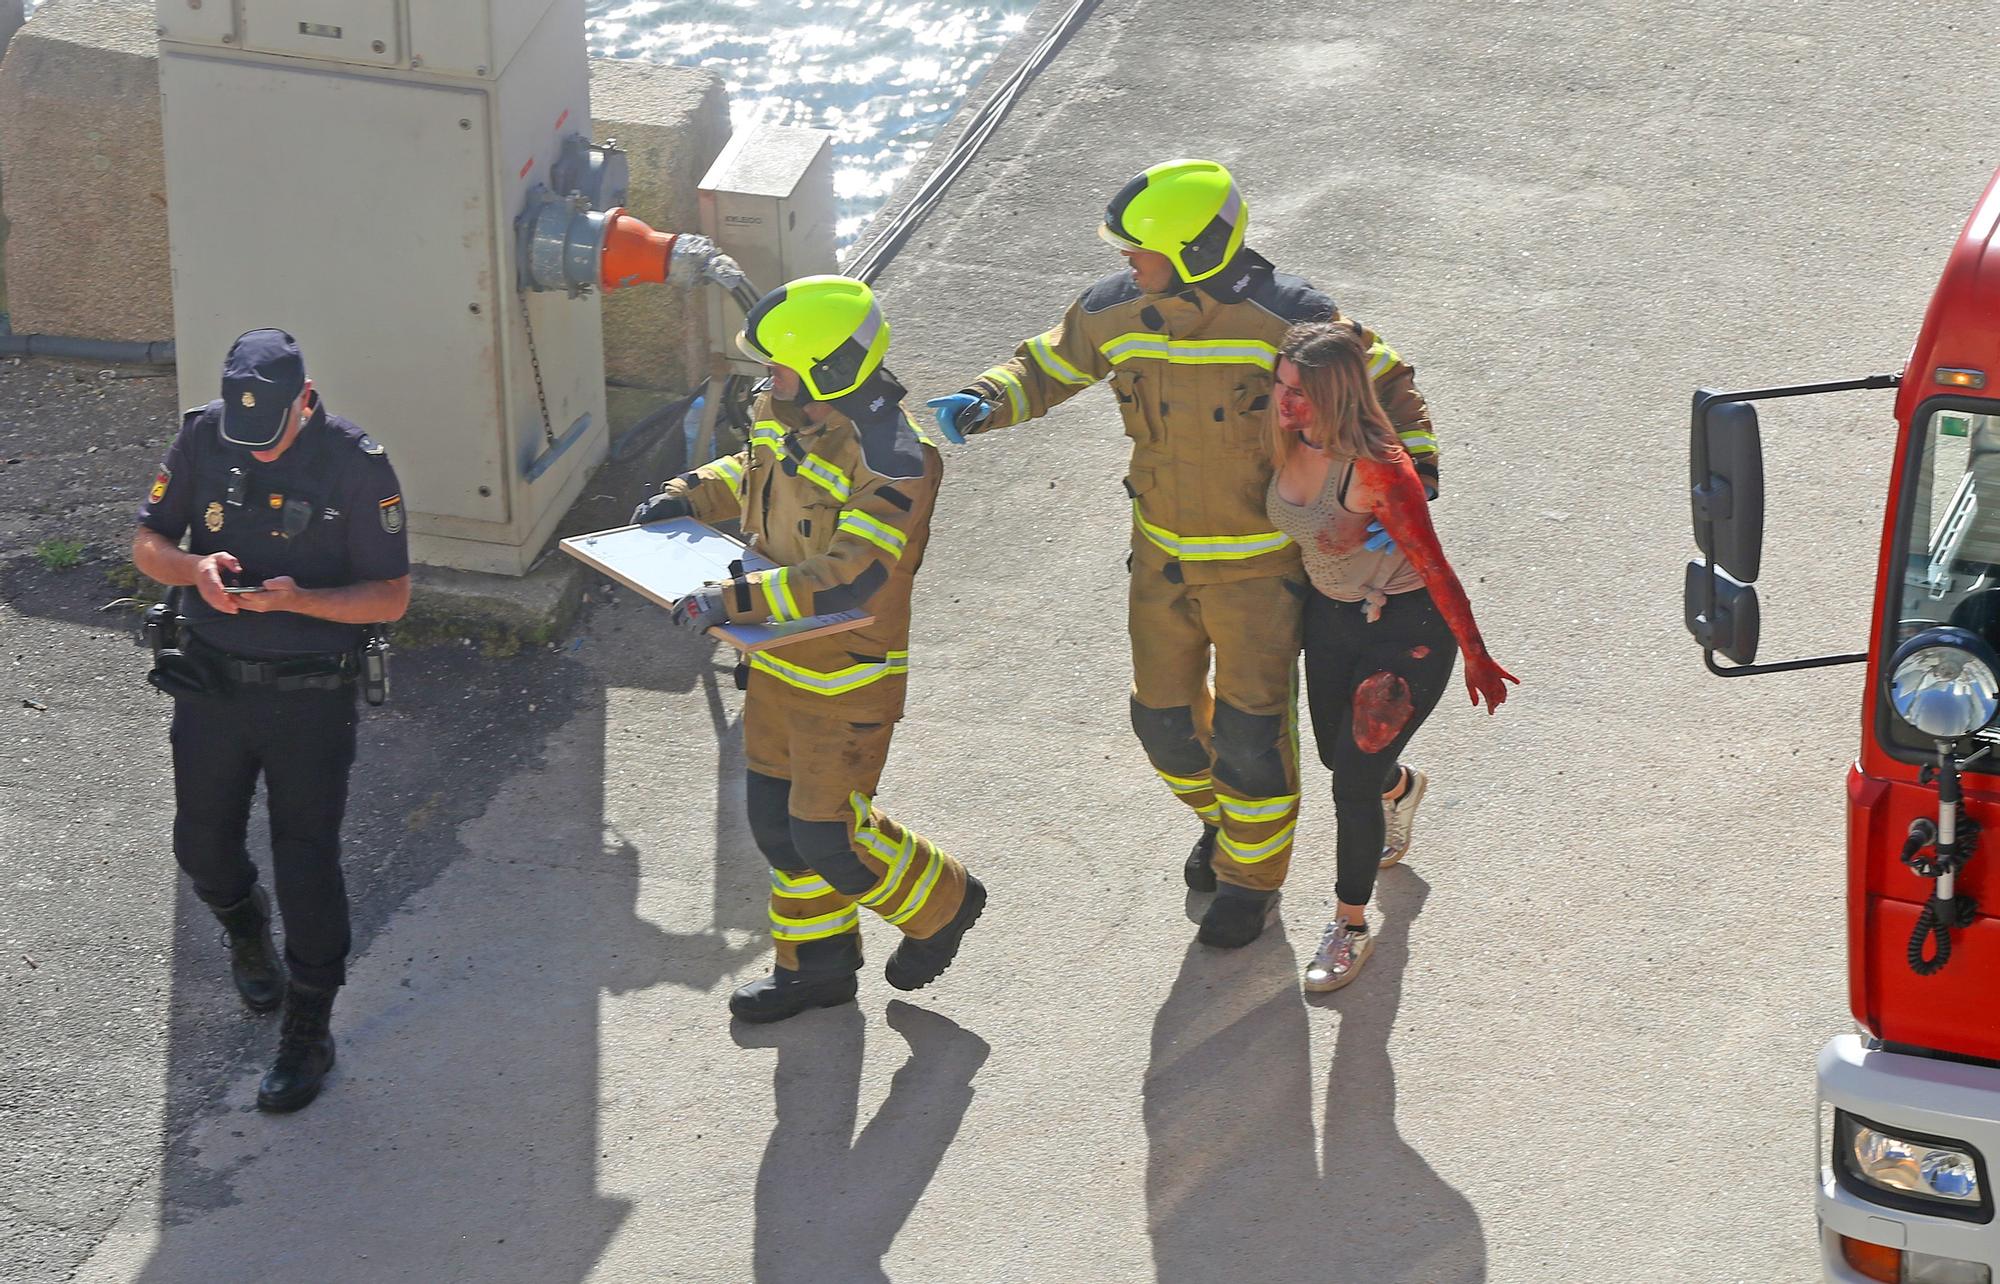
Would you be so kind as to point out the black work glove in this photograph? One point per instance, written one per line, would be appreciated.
(660, 508)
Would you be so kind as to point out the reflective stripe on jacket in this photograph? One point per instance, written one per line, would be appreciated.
(844, 509)
(1192, 372)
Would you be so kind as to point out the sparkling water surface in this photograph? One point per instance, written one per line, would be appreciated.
(882, 76)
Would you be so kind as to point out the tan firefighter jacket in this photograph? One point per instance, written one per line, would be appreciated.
(844, 509)
(1192, 371)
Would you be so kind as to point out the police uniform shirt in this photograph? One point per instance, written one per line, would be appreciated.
(328, 512)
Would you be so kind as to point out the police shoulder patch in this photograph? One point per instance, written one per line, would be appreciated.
(1117, 288)
(160, 483)
(391, 511)
(369, 446)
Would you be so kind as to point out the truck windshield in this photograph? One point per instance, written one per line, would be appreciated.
(1950, 547)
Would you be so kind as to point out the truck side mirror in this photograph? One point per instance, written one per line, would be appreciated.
(1732, 629)
(1726, 483)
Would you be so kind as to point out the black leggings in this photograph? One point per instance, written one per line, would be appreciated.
(1370, 686)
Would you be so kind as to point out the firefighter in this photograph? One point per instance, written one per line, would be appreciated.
(1188, 337)
(836, 487)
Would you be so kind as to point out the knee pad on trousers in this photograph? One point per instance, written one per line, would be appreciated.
(829, 852)
(1169, 739)
(769, 800)
(1247, 753)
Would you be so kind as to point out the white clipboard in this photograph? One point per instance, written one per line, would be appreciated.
(665, 561)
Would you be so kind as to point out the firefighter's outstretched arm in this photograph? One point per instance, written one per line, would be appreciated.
(710, 493)
(1043, 373)
(868, 543)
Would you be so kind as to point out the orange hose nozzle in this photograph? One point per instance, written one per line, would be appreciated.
(634, 253)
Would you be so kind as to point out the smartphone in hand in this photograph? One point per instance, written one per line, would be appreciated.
(254, 588)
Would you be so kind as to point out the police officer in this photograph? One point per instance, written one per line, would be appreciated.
(836, 488)
(295, 544)
(1188, 337)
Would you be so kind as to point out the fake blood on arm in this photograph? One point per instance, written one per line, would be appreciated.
(1400, 504)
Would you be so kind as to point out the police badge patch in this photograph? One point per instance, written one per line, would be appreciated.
(213, 517)
(391, 510)
(159, 491)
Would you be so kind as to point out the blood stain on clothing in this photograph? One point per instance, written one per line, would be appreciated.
(1332, 545)
(1381, 711)
(1420, 653)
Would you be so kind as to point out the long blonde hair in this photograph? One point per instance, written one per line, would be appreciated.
(1348, 420)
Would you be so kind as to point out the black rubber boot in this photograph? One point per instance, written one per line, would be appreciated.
(253, 956)
(916, 964)
(305, 1052)
(1200, 868)
(1236, 917)
(786, 993)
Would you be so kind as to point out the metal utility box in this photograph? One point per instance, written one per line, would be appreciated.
(351, 170)
(768, 202)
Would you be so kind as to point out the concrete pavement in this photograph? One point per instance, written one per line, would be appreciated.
(1584, 1049)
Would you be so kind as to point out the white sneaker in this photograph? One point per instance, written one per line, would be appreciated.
(1399, 816)
(1343, 948)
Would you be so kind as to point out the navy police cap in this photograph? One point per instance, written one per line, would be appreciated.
(261, 377)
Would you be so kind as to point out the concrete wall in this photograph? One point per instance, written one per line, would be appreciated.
(673, 121)
(81, 174)
(82, 184)
(11, 16)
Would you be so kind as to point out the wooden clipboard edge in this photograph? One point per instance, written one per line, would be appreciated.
(573, 545)
(726, 633)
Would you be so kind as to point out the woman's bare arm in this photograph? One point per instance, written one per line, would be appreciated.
(1395, 495)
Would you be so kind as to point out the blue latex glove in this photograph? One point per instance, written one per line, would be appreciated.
(952, 411)
(700, 610)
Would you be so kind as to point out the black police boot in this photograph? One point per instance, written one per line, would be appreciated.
(305, 1052)
(253, 956)
(786, 993)
(1236, 917)
(1200, 868)
(915, 963)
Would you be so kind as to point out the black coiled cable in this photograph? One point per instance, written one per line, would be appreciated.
(1934, 923)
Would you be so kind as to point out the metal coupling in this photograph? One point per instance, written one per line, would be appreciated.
(560, 242)
(598, 172)
(687, 264)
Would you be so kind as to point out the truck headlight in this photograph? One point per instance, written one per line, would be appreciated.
(1945, 683)
(1920, 1174)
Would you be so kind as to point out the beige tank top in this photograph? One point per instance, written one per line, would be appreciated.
(1332, 540)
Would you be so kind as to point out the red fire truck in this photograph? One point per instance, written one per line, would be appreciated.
(1909, 1105)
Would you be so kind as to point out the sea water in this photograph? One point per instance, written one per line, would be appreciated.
(883, 76)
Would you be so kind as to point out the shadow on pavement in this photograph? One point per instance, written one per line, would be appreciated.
(459, 1139)
(830, 1202)
(1237, 1187)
